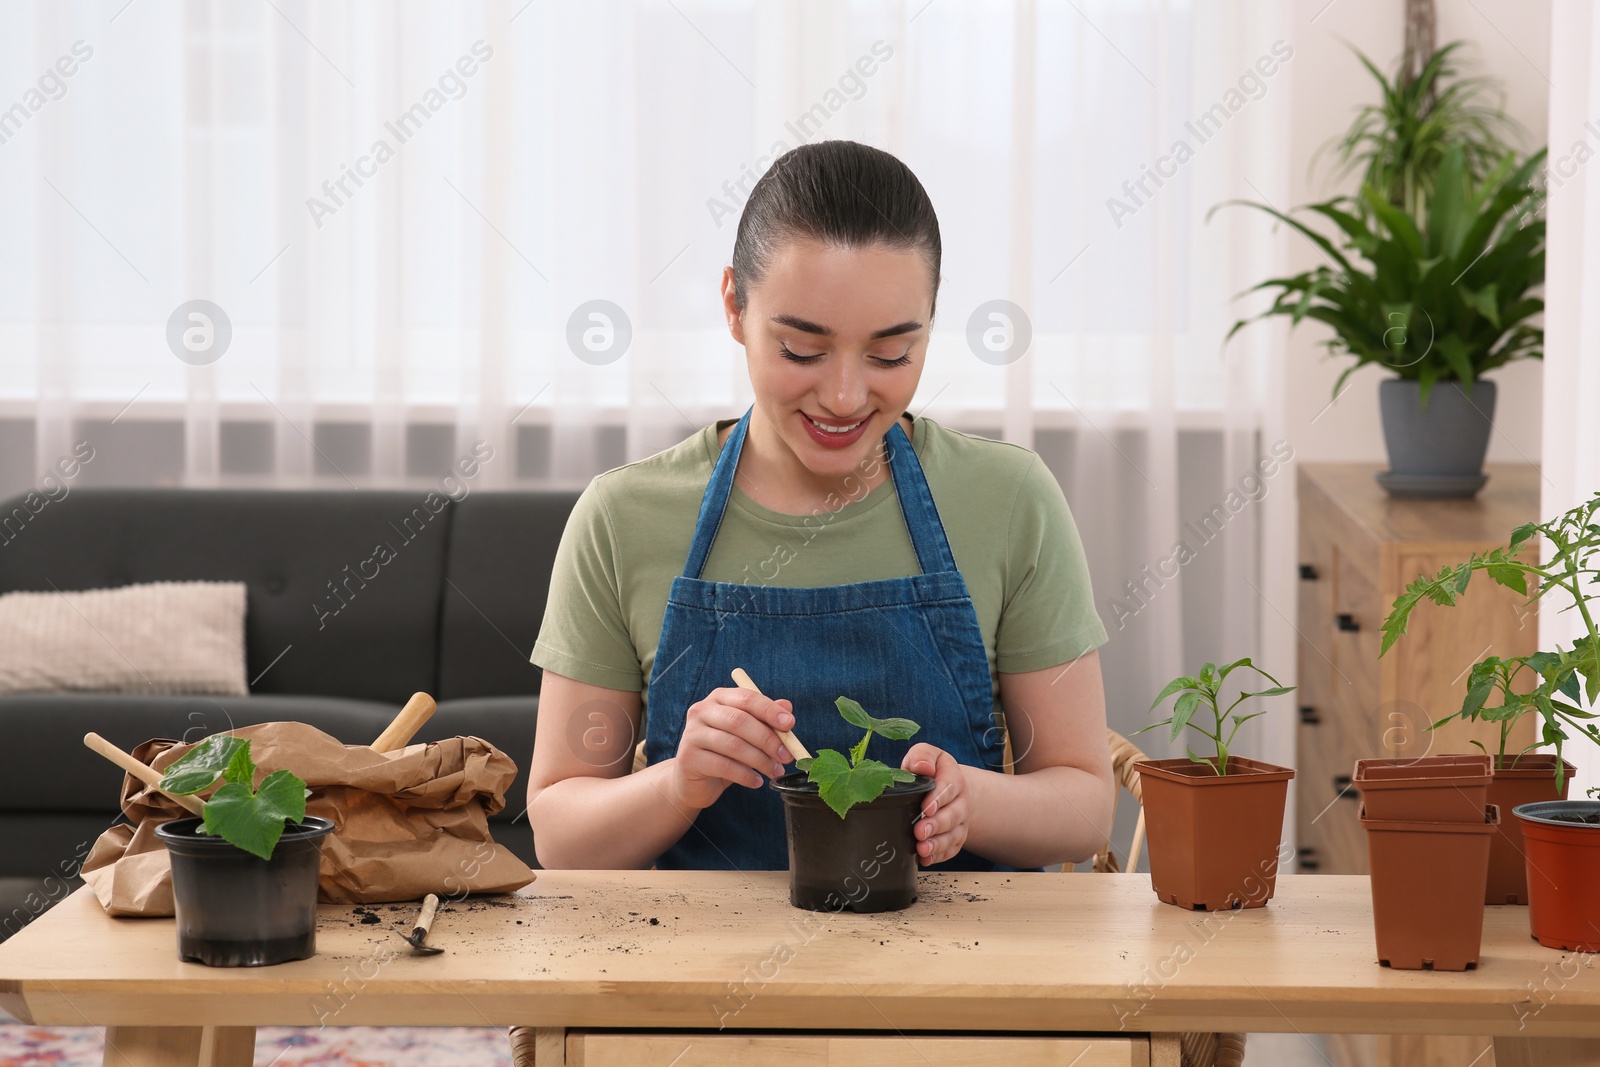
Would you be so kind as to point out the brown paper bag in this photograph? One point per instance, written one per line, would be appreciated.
(406, 824)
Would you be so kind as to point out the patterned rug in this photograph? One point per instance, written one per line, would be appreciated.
(282, 1046)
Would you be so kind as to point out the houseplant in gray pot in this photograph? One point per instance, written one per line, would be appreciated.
(1214, 820)
(1439, 301)
(1554, 685)
(244, 875)
(1433, 276)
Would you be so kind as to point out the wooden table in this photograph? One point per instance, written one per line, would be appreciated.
(1025, 960)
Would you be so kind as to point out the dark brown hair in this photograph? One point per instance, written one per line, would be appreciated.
(838, 193)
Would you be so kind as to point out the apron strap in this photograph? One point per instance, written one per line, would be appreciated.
(928, 538)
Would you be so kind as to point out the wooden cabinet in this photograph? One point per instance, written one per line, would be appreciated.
(1359, 549)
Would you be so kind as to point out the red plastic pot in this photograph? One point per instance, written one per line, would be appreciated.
(1427, 890)
(1562, 842)
(1213, 838)
(1426, 789)
(1526, 779)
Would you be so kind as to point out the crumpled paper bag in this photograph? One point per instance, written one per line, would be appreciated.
(409, 823)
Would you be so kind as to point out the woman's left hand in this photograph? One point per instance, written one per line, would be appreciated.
(941, 832)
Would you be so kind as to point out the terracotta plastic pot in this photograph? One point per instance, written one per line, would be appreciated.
(1425, 789)
(866, 861)
(1427, 890)
(1562, 842)
(1213, 838)
(235, 909)
(1527, 779)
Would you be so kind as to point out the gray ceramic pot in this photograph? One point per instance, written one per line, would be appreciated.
(1437, 450)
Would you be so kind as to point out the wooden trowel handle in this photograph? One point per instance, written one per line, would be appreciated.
(398, 734)
(146, 774)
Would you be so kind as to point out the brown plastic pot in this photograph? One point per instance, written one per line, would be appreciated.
(1527, 779)
(1213, 838)
(1424, 789)
(1562, 842)
(1427, 890)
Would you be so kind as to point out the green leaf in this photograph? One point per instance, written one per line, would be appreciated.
(842, 786)
(241, 768)
(203, 764)
(893, 729)
(853, 713)
(1183, 712)
(254, 821)
(1174, 686)
(860, 748)
(1275, 691)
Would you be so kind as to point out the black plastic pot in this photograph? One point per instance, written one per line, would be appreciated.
(239, 910)
(866, 861)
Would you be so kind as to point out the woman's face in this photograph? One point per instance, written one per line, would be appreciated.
(835, 338)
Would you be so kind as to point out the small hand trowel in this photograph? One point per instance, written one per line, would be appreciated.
(419, 929)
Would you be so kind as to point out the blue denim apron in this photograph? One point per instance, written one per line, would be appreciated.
(900, 646)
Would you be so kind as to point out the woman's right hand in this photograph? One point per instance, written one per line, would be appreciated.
(730, 737)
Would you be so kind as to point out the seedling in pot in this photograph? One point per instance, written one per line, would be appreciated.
(1565, 678)
(1205, 690)
(843, 783)
(246, 817)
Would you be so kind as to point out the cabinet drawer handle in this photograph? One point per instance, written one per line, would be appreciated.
(1347, 623)
(1308, 572)
(1309, 716)
(1307, 858)
(1342, 785)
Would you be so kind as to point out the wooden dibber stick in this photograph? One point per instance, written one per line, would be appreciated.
(144, 772)
(790, 742)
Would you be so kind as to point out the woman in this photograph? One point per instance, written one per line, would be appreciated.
(816, 542)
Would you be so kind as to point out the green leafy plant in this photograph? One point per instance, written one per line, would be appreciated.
(1399, 143)
(844, 783)
(1441, 296)
(1204, 690)
(1550, 684)
(244, 816)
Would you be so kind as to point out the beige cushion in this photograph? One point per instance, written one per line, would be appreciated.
(160, 637)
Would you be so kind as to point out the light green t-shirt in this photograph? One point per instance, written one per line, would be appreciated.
(1009, 528)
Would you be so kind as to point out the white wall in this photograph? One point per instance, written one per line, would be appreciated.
(1510, 40)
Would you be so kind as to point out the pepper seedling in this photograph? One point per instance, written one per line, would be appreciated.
(1204, 690)
(844, 783)
(245, 817)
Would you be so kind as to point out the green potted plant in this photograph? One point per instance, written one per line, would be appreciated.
(849, 819)
(244, 875)
(1434, 270)
(1554, 685)
(1399, 143)
(1215, 820)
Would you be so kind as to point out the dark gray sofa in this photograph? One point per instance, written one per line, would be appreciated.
(329, 642)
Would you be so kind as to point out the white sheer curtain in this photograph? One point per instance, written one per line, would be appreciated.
(1571, 447)
(404, 210)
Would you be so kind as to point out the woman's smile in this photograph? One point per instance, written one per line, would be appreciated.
(834, 433)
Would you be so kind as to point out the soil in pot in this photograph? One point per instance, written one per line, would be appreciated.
(1451, 788)
(1427, 890)
(1561, 839)
(238, 910)
(866, 861)
(1213, 838)
(1522, 780)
